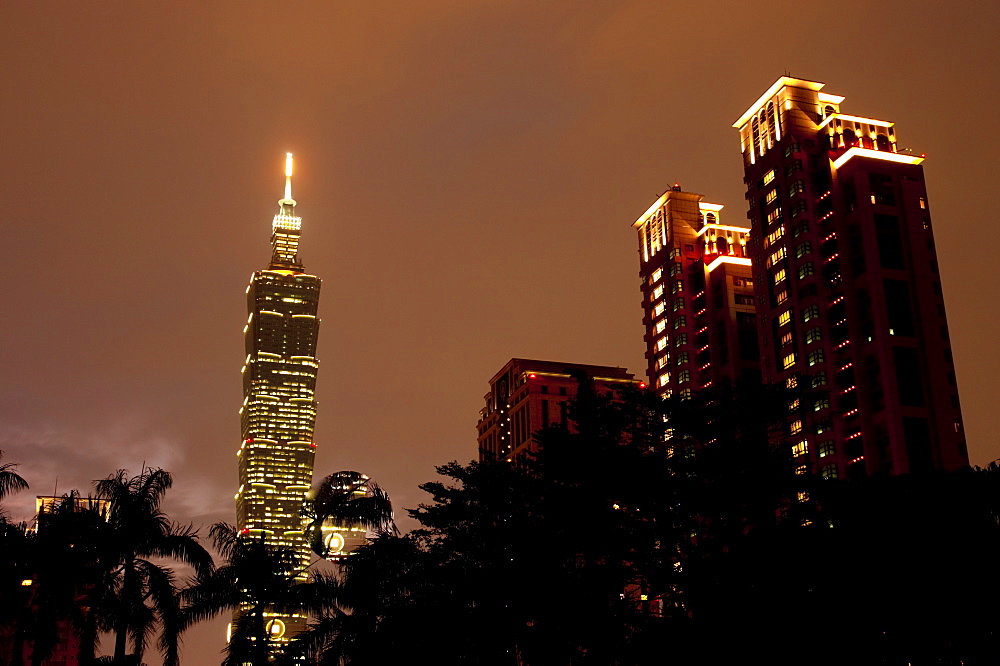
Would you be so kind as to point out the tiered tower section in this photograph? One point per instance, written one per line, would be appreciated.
(279, 396)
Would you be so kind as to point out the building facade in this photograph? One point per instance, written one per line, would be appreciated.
(528, 395)
(847, 289)
(279, 399)
(697, 296)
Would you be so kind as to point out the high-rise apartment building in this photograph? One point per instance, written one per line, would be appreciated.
(847, 290)
(527, 395)
(698, 296)
(279, 398)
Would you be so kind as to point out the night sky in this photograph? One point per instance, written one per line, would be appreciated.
(467, 174)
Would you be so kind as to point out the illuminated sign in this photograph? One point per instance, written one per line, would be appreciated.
(275, 628)
(334, 542)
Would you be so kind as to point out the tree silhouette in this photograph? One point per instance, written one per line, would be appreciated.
(137, 594)
(255, 578)
(10, 481)
(50, 575)
(347, 500)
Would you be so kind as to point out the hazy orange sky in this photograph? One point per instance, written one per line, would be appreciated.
(467, 173)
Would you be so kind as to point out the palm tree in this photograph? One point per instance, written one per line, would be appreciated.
(10, 481)
(256, 578)
(13, 539)
(49, 575)
(138, 594)
(348, 500)
(386, 610)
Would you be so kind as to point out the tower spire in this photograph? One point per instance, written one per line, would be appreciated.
(288, 180)
(286, 227)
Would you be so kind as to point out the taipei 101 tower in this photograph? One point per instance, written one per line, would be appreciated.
(279, 399)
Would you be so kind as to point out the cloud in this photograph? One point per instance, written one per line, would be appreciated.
(55, 458)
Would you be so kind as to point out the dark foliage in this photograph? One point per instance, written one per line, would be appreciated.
(85, 568)
(625, 542)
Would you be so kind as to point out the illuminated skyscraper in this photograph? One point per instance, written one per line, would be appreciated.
(697, 296)
(848, 295)
(279, 401)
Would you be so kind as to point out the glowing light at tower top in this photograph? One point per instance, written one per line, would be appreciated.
(288, 177)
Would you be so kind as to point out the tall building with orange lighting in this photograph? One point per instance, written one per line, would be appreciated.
(279, 399)
(528, 395)
(847, 289)
(697, 296)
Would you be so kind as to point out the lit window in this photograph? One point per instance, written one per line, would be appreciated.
(769, 176)
(664, 378)
(780, 276)
(676, 286)
(684, 376)
(923, 203)
(821, 403)
(682, 358)
(806, 269)
(826, 448)
(658, 292)
(803, 249)
(660, 325)
(682, 339)
(802, 469)
(786, 338)
(661, 343)
(675, 269)
(815, 356)
(777, 256)
(781, 297)
(774, 215)
(788, 361)
(819, 379)
(771, 196)
(791, 382)
(658, 309)
(657, 274)
(785, 317)
(803, 496)
(810, 313)
(800, 448)
(814, 334)
(679, 322)
(774, 236)
(677, 304)
(793, 405)
(829, 471)
(795, 427)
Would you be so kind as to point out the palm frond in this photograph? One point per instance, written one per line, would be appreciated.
(10, 481)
